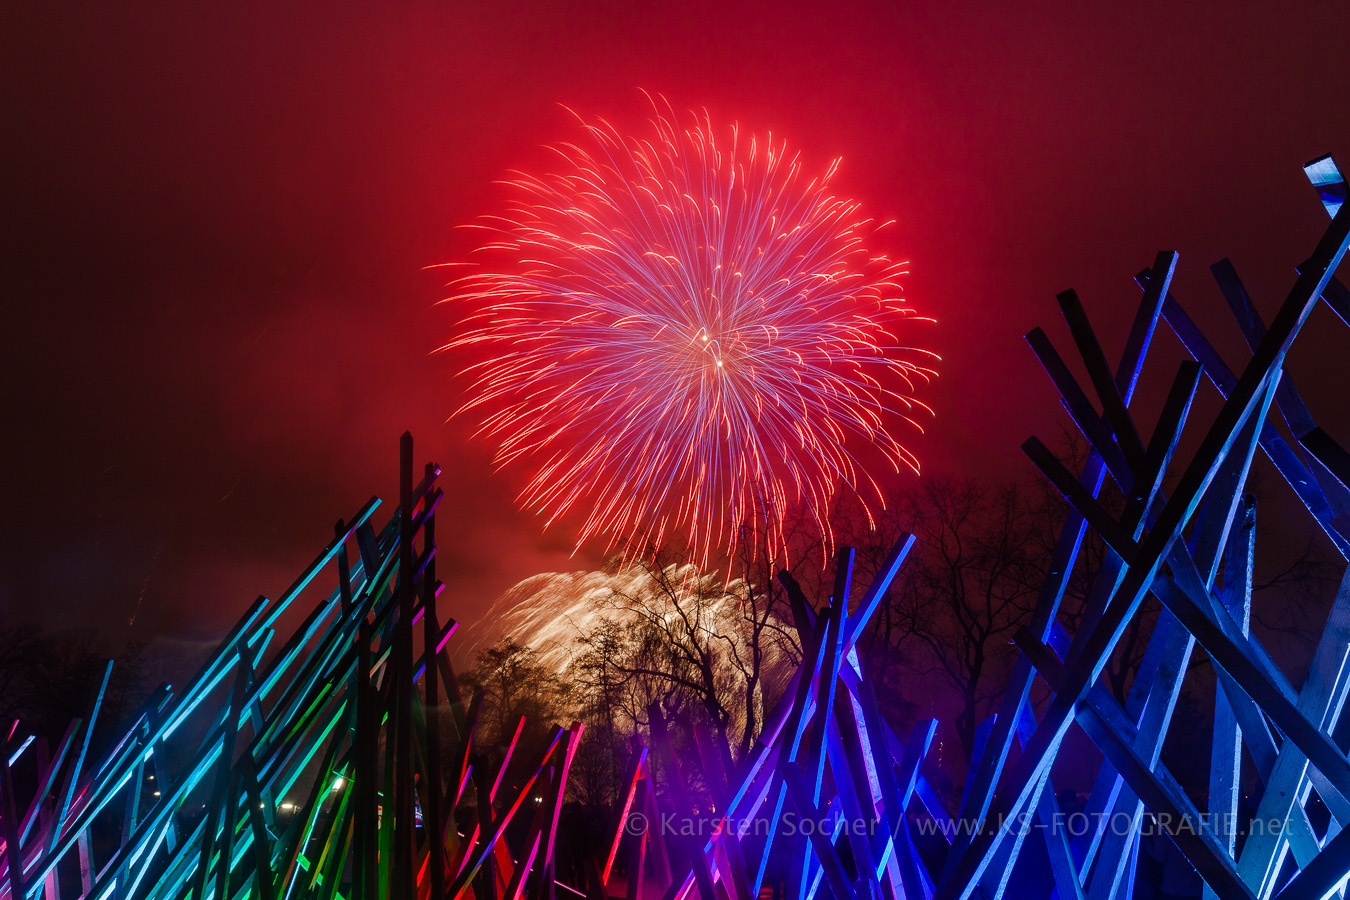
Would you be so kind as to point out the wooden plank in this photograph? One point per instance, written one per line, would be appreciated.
(1026, 779)
(1321, 702)
(1099, 373)
(1327, 180)
(799, 792)
(1077, 405)
(1185, 826)
(1225, 764)
(1293, 470)
(480, 853)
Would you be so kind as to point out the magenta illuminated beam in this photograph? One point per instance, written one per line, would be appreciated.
(499, 827)
(47, 780)
(636, 768)
(492, 791)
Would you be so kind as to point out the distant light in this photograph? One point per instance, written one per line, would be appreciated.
(338, 783)
(156, 793)
(262, 806)
(151, 777)
(538, 799)
(288, 805)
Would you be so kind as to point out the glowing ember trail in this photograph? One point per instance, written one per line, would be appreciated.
(683, 335)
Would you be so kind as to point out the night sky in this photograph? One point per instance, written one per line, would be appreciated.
(219, 218)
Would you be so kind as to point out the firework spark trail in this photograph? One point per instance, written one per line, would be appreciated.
(682, 337)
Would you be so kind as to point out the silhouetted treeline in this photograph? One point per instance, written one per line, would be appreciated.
(713, 650)
(49, 679)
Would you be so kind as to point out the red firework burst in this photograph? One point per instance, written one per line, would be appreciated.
(685, 335)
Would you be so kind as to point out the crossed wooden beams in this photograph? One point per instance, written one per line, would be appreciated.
(313, 770)
(1186, 535)
(825, 764)
(1191, 548)
(317, 769)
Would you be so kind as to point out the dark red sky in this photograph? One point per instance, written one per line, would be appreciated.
(217, 218)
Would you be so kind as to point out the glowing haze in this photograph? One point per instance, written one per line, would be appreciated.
(685, 332)
(553, 613)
